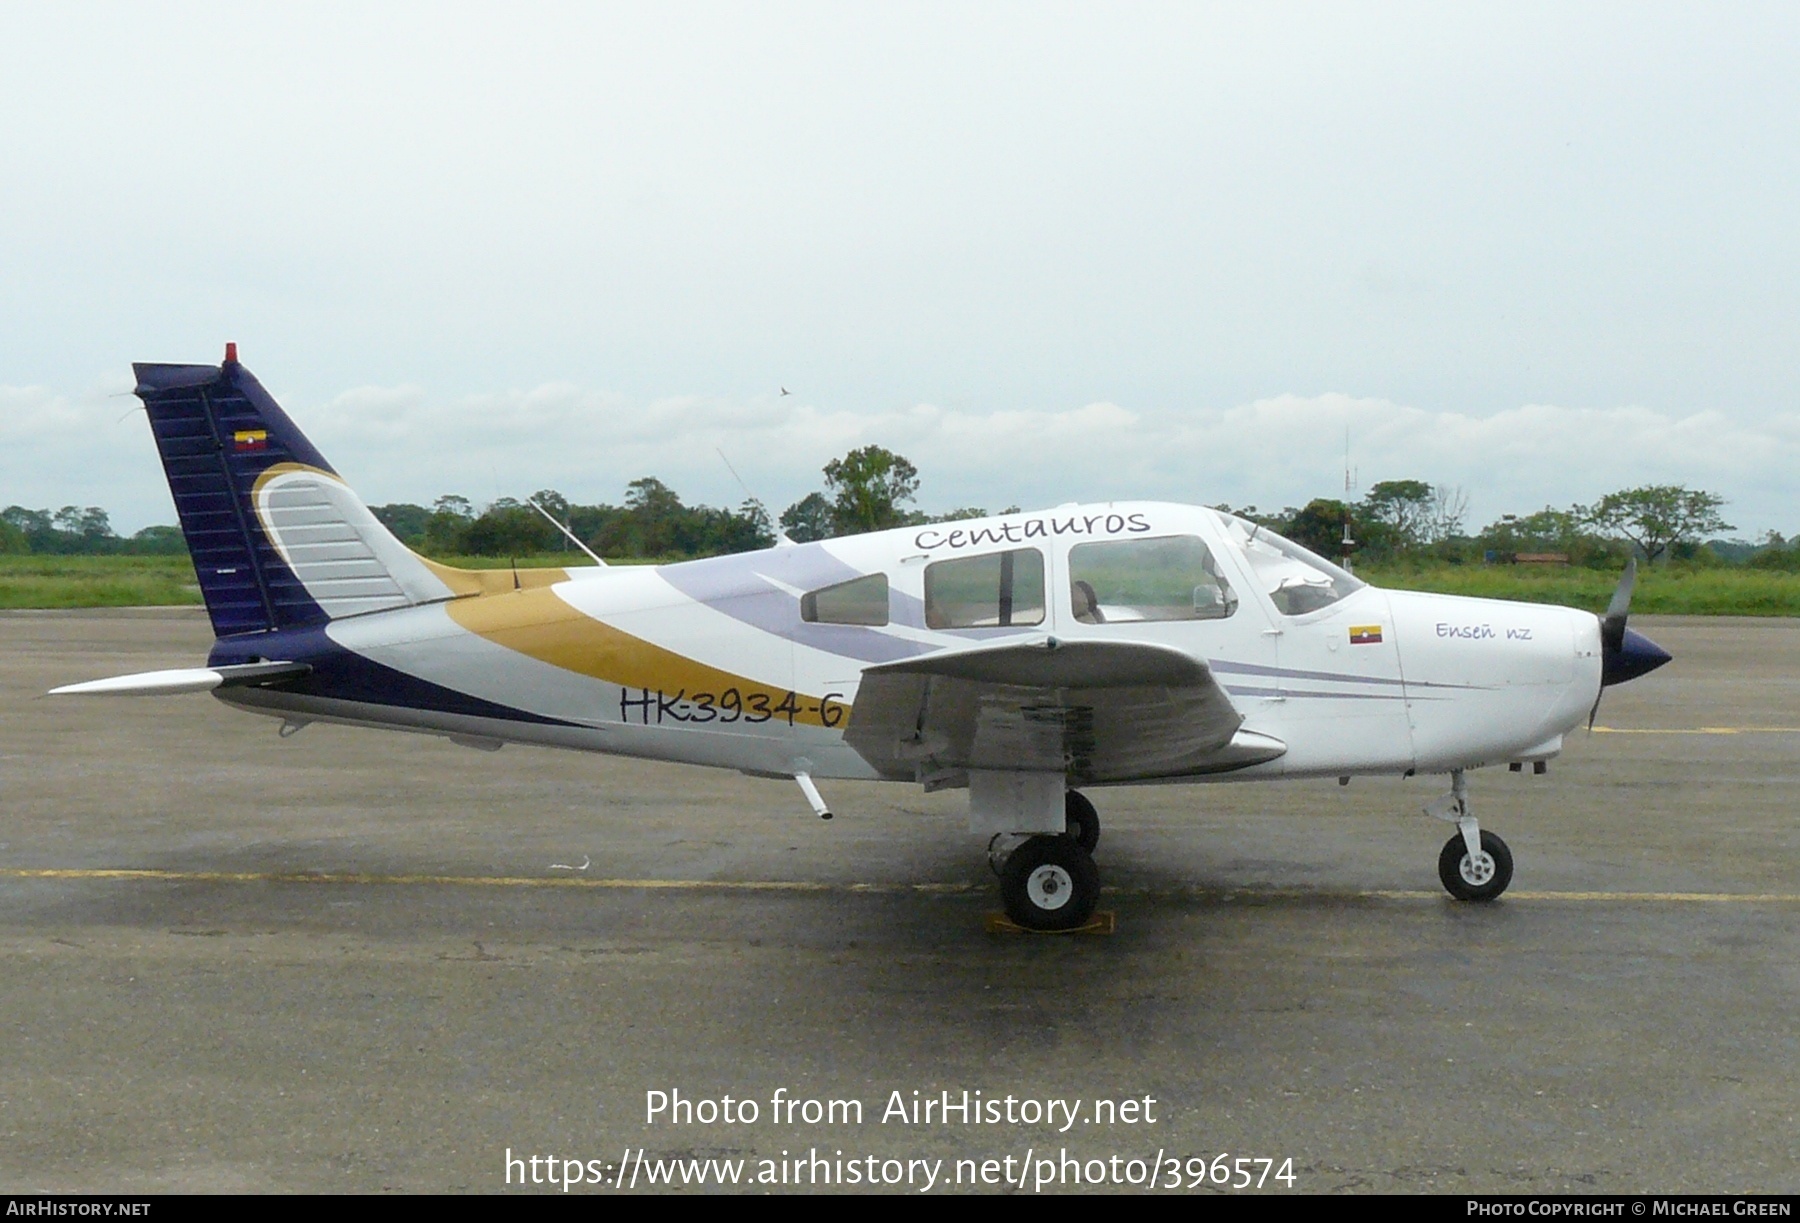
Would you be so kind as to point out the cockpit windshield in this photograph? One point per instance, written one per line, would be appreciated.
(1298, 581)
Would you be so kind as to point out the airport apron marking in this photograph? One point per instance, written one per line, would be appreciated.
(805, 886)
(1698, 730)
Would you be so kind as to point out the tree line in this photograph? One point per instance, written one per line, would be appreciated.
(868, 489)
(871, 489)
(1402, 520)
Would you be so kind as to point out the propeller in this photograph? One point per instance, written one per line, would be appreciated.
(1612, 624)
(1624, 654)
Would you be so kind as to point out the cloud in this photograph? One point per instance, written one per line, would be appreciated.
(1273, 451)
(405, 443)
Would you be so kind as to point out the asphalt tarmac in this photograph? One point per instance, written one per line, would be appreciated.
(361, 961)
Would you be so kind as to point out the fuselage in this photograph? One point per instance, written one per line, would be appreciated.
(754, 661)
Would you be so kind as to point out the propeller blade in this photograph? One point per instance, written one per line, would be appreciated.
(1612, 624)
(1612, 632)
(1624, 655)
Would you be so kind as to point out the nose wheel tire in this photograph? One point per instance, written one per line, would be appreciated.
(1471, 879)
(1050, 883)
(1083, 820)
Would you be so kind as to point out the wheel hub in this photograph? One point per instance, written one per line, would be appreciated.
(1477, 871)
(1050, 887)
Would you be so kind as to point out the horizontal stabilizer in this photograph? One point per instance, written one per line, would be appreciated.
(186, 679)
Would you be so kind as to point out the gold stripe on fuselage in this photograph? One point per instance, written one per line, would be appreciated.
(540, 625)
(465, 582)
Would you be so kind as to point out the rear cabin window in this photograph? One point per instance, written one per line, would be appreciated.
(999, 590)
(1134, 580)
(861, 600)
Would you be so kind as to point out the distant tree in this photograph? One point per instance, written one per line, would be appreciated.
(447, 528)
(90, 524)
(553, 501)
(1396, 515)
(1548, 530)
(808, 519)
(158, 541)
(1656, 517)
(558, 507)
(72, 529)
(1777, 553)
(407, 522)
(509, 528)
(967, 512)
(1319, 526)
(868, 488)
(1277, 522)
(749, 529)
(12, 539)
(1444, 516)
(656, 519)
(31, 522)
(594, 524)
(40, 532)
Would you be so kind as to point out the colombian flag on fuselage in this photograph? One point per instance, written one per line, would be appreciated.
(1365, 634)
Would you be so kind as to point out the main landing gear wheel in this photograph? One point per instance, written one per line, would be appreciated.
(1472, 879)
(1050, 883)
(1084, 821)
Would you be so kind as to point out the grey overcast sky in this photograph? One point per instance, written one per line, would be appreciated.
(1049, 252)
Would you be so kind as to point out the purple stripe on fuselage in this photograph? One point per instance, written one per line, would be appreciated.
(1237, 690)
(1251, 668)
(742, 586)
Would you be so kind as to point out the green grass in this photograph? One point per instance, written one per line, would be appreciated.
(40, 581)
(97, 581)
(168, 581)
(1674, 591)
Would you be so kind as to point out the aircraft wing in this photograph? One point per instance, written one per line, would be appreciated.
(1095, 711)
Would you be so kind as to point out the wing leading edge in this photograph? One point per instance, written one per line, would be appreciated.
(1093, 711)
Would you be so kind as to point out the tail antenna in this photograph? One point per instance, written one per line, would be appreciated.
(781, 536)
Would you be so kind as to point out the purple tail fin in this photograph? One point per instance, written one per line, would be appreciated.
(218, 431)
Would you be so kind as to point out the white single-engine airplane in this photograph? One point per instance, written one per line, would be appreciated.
(1018, 657)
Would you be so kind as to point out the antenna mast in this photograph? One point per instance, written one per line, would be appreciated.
(564, 528)
(781, 535)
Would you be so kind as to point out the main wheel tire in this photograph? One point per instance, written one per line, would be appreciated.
(1050, 883)
(1468, 880)
(1083, 820)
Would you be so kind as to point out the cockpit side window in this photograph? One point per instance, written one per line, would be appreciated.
(1298, 581)
(1133, 580)
(861, 600)
(999, 590)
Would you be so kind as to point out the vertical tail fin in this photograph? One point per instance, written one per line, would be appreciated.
(278, 540)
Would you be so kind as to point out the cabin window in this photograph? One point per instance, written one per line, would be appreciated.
(999, 590)
(1133, 580)
(861, 600)
(1298, 581)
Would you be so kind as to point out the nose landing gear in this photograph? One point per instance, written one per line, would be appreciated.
(1474, 865)
(1467, 877)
